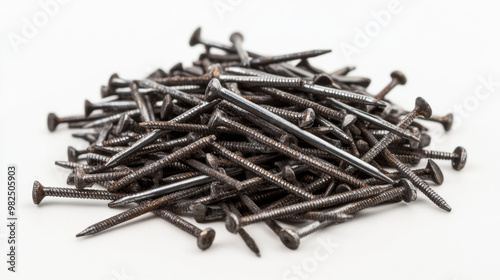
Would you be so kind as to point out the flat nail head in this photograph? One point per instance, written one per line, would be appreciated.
(206, 238)
(79, 182)
(199, 212)
(215, 119)
(349, 119)
(289, 238)
(196, 37)
(72, 154)
(88, 107)
(212, 88)
(38, 192)
(236, 36)
(448, 122)
(52, 121)
(110, 81)
(105, 92)
(212, 160)
(423, 108)
(399, 76)
(410, 193)
(459, 162)
(308, 119)
(436, 173)
(233, 223)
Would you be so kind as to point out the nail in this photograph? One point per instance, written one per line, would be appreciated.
(84, 180)
(53, 120)
(398, 78)
(118, 105)
(458, 157)
(431, 172)
(40, 192)
(259, 61)
(204, 237)
(304, 119)
(249, 241)
(139, 210)
(237, 40)
(341, 94)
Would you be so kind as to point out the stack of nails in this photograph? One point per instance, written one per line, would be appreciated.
(244, 138)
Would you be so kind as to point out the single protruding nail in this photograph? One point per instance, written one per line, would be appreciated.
(458, 157)
(398, 78)
(286, 57)
(237, 40)
(204, 237)
(249, 241)
(433, 172)
(446, 121)
(53, 120)
(140, 210)
(40, 192)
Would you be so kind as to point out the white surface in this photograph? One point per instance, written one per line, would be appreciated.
(444, 47)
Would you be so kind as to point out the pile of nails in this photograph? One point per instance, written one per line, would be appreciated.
(243, 138)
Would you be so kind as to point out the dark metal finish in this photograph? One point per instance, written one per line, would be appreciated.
(398, 78)
(40, 192)
(244, 138)
(215, 89)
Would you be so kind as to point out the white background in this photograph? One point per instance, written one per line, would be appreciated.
(446, 49)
